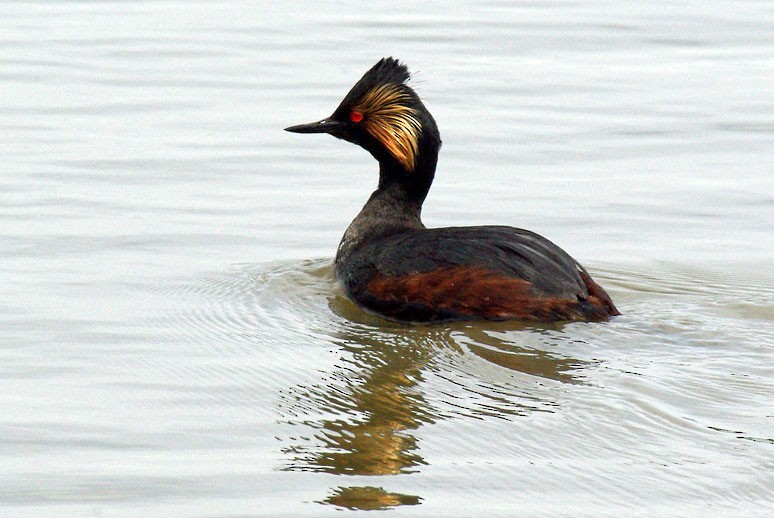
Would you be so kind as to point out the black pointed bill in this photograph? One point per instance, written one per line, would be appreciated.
(322, 126)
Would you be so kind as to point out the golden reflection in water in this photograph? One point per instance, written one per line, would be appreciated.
(489, 344)
(372, 401)
(374, 404)
(368, 498)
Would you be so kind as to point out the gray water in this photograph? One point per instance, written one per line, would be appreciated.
(173, 342)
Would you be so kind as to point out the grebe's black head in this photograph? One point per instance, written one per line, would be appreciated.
(385, 116)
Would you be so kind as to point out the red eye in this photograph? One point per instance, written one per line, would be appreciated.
(355, 116)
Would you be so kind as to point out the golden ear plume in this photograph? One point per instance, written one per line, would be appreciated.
(391, 120)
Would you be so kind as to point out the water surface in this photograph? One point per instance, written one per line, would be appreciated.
(174, 342)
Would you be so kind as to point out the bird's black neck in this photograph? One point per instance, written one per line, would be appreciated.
(395, 205)
(397, 202)
(414, 184)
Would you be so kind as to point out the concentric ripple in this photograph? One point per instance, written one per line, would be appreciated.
(353, 394)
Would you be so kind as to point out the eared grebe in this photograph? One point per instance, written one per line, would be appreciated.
(391, 264)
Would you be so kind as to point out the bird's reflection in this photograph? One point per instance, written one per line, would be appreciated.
(368, 498)
(373, 403)
(367, 407)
